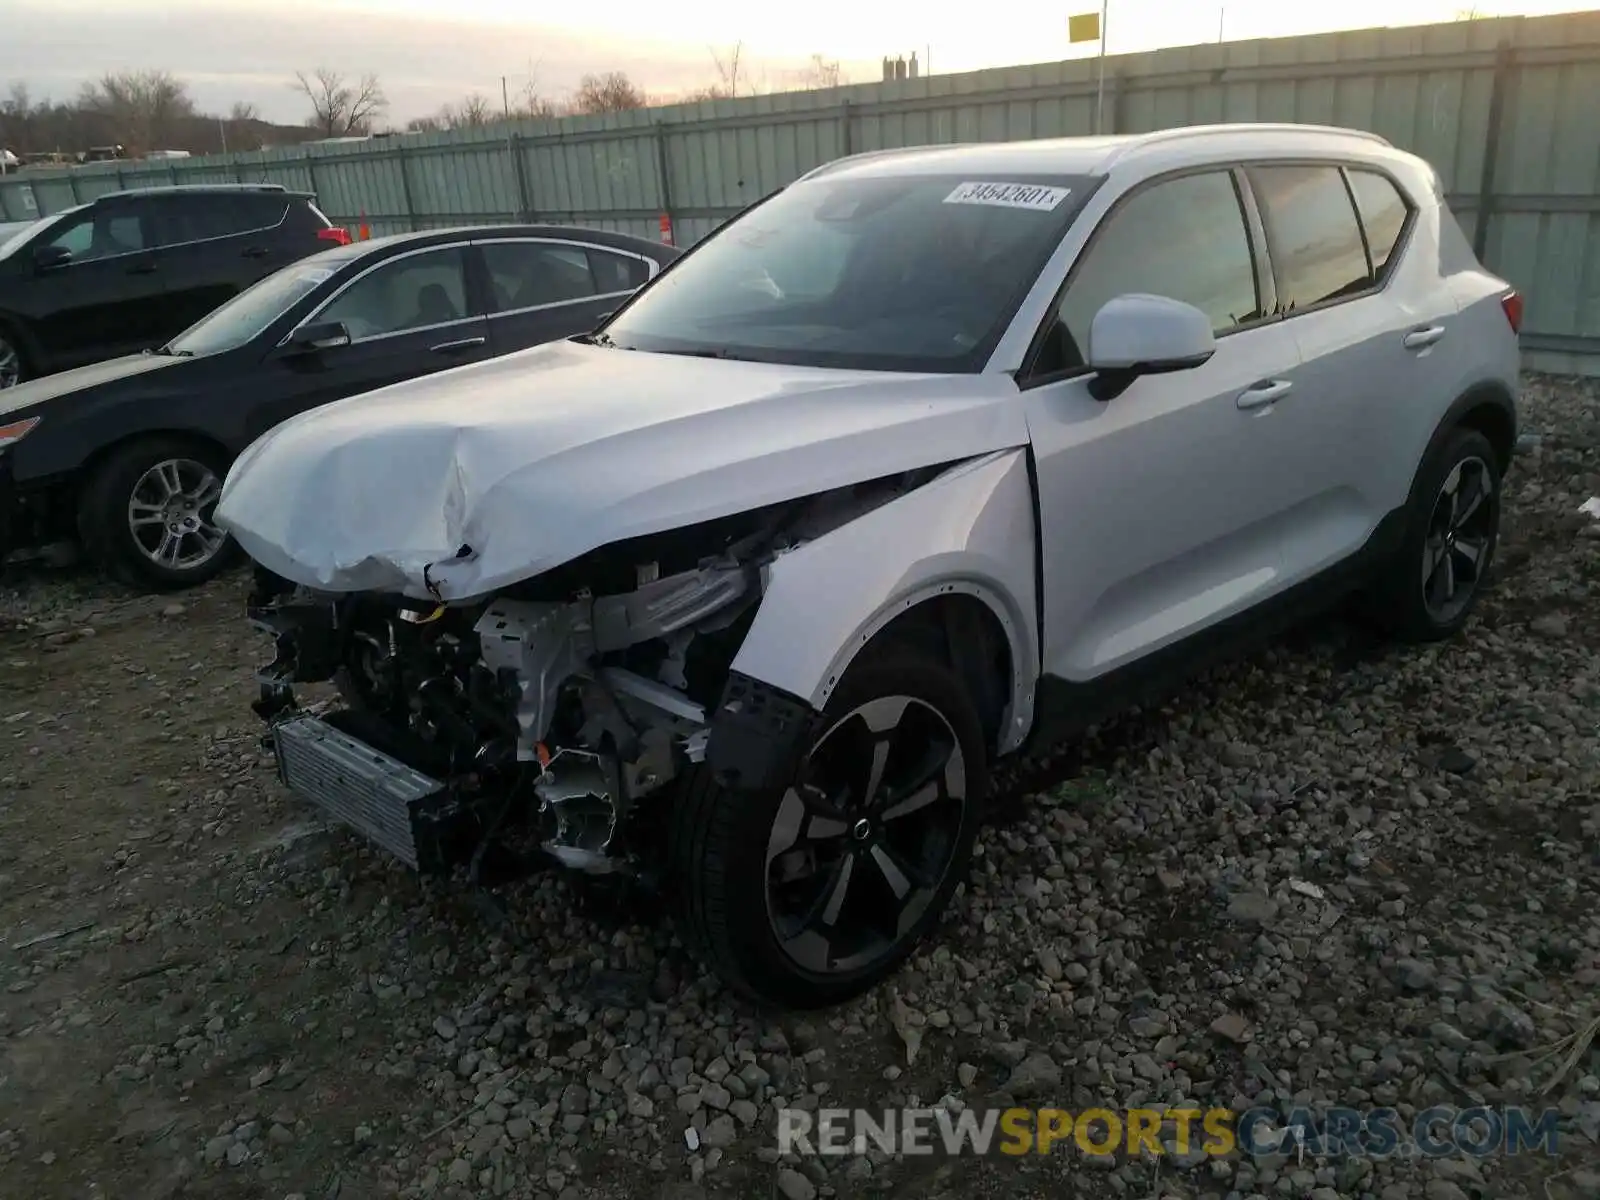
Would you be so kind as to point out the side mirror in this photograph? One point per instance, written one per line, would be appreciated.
(324, 335)
(48, 258)
(1136, 335)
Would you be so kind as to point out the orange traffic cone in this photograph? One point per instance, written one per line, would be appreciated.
(666, 229)
(365, 229)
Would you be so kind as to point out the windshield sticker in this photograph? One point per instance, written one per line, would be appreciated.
(1010, 195)
(314, 276)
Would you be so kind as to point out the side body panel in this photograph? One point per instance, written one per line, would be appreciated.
(970, 531)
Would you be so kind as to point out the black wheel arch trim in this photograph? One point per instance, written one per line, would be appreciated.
(757, 734)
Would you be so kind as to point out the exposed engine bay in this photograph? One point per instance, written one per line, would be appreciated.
(574, 698)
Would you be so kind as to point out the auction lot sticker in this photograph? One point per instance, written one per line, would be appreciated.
(1009, 195)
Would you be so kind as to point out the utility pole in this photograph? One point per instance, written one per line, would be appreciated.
(505, 97)
(1222, 15)
(222, 131)
(1100, 84)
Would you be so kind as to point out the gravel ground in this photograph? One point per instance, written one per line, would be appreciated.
(203, 992)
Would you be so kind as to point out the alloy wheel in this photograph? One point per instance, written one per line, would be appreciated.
(1460, 540)
(170, 514)
(10, 365)
(861, 844)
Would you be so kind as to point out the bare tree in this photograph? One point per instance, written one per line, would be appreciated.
(469, 114)
(728, 80)
(611, 92)
(822, 73)
(143, 108)
(340, 108)
(529, 103)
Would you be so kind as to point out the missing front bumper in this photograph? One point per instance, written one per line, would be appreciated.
(394, 806)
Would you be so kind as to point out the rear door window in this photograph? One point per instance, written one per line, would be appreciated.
(532, 274)
(1312, 233)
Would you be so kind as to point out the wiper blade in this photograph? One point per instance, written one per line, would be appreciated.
(596, 339)
(169, 352)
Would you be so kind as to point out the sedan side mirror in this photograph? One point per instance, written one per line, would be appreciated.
(1136, 335)
(48, 258)
(324, 335)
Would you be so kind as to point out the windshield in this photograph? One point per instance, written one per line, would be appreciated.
(897, 273)
(243, 318)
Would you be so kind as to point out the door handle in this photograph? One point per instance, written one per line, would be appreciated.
(462, 344)
(144, 268)
(1264, 393)
(256, 252)
(1423, 337)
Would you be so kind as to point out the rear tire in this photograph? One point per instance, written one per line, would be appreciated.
(1427, 590)
(806, 895)
(147, 514)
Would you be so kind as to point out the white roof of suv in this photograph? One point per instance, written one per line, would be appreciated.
(1157, 151)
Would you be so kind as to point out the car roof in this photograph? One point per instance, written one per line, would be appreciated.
(203, 189)
(568, 233)
(1088, 156)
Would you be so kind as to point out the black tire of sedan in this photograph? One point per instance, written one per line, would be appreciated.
(147, 514)
(806, 895)
(13, 365)
(1428, 589)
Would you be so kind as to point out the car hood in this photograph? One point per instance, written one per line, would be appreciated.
(81, 379)
(460, 483)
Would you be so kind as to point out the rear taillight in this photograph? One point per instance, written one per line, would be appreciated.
(1511, 303)
(336, 234)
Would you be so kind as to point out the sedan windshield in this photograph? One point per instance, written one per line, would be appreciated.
(249, 313)
(893, 273)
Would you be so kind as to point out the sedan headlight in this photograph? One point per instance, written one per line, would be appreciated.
(16, 431)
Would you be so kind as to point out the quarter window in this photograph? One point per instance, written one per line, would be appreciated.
(1317, 250)
(1184, 239)
(1383, 214)
(414, 292)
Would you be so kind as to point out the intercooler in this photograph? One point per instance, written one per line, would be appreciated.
(394, 806)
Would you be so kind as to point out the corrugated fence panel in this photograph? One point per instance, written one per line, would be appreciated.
(1435, 90)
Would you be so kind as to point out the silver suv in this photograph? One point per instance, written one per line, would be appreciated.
(931, 457)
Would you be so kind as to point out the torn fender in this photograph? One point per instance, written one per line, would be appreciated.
(533, 459)
(972, 530)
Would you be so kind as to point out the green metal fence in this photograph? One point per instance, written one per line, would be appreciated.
(1506, 110)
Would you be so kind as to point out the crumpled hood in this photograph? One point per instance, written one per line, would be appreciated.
(535, 458)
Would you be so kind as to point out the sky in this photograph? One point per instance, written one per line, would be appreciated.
(428, 53)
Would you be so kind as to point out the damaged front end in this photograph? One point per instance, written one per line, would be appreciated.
(565, 705)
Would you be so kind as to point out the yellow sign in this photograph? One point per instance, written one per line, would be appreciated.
(1085, 27)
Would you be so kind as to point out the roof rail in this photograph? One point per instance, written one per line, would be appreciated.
(1180, 132)
(193, 188)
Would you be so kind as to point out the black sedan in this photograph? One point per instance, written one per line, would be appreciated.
(130, 454)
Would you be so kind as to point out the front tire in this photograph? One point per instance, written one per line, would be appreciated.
(13, 366)
(148, 514)
(806, 895)
(1427, 590)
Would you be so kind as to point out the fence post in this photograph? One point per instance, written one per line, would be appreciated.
(514, 147)
(664, 177)
(1504, 61)
(847, 139)
(311, 178)
(72, 186)
(405, 188)
(33, 190)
